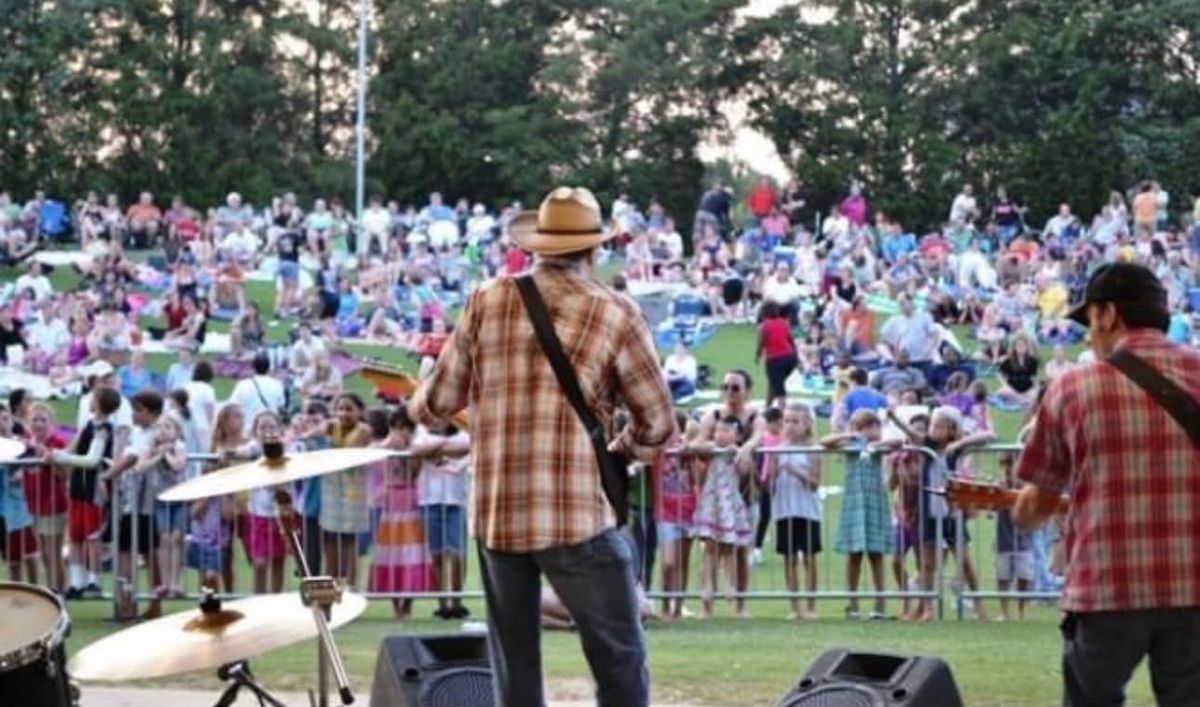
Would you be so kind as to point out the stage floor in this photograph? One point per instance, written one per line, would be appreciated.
(148, 697)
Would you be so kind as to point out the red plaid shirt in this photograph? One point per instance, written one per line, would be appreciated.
(537, 482)
(1133, 531)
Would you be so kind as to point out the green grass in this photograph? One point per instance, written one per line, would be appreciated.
(722, 662)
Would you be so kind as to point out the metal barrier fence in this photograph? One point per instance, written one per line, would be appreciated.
(386, 545)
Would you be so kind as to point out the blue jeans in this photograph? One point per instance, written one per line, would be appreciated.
(595, 581)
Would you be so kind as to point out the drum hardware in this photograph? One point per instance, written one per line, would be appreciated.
(238, 676)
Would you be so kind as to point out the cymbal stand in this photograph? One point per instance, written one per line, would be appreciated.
(238, 675)
(319, 594)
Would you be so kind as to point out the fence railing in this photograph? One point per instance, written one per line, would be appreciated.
(374, 530)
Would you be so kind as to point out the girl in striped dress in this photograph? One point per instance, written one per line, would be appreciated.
(865, 526)
(401, 561)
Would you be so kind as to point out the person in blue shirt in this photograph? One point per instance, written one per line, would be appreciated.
(134, 377)
(895, 243)
(860, 397)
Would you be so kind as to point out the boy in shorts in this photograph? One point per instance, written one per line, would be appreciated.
(90, 452)
(1014, 550)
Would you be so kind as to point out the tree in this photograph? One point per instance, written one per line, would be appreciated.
(455, 105)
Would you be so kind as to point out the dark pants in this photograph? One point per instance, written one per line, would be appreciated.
(778, 369)
(595, 582)
(764, 517)
(643, 529)
(1101, 650)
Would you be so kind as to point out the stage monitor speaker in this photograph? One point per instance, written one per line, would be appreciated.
(843, 678)
(433, 671)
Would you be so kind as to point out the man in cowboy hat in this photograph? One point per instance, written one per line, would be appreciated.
(539, 505)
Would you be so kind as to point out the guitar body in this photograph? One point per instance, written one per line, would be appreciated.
(972, 495)
(391, 383)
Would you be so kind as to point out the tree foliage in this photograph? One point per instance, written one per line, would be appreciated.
(499, 99)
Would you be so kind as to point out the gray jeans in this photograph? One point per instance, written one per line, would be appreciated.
(1101, 650)
(595, 581)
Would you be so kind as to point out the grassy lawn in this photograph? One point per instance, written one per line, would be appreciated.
(723, 662)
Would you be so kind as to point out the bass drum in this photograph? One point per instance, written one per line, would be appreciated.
(33, 664)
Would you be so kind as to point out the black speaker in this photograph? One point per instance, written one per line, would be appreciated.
(433, 671)
(842, 678)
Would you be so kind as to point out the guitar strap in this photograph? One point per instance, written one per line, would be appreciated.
(1176, 401)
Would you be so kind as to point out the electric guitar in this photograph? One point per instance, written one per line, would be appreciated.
(973, 495)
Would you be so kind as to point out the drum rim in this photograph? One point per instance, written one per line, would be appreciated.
(43, 646)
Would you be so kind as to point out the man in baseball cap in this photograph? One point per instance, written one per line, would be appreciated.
(1137, 295)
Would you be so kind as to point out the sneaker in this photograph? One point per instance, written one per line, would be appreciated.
(852, 614)
(459, 612)
(92, 591)
(73, 593)
(440, 613)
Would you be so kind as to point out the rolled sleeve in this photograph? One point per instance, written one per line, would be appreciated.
(447, 390)
(1045, 460)
(644, 393)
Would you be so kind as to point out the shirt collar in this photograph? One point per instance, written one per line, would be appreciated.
(1141, 337)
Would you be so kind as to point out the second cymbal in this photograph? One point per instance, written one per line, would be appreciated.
(263, 473)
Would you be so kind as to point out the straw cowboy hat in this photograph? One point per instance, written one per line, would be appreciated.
(568, 221)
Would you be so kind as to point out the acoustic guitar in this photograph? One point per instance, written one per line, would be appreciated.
(976, 496)
(393, 383)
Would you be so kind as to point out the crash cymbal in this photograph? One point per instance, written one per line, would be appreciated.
(262, 473)
(10, 448)
(192, 640)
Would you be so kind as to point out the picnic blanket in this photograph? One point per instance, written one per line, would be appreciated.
(644, 288)
(38, 386)
(215, 343)
(798, 384)
(237, 368)
(883, 304)
(57, 258)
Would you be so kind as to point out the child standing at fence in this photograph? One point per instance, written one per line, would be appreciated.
(771, 437)
(344, 511)
(795, 482)
(46, 492)
(904, 480)
(722, 519)
(401, 560)
(266, 544)
(91, 449)
(937, 526)
(226, 439)
(166, 465)
(864, 528)
(310, 432)
(18, 542)
(675, 508)
(443, 453)
(1014, 550)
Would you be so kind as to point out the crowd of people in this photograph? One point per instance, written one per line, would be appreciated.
(854, 311)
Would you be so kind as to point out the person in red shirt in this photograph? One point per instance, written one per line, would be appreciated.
(856, 326)
(46, 493)
(1129, 466)
(762, 199)
(516, 261)
(776, 343)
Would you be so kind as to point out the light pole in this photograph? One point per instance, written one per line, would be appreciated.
(360, 156)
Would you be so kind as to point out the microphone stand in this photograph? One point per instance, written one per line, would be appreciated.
(320, 594)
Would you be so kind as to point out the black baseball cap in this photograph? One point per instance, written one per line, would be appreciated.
(1126, 283)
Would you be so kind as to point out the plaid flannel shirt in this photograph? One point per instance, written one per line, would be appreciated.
(1133, 530)
(536, 478)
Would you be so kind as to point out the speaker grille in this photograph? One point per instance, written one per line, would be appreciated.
(458, 687)
(835, 696)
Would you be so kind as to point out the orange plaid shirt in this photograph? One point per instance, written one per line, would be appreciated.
(537, 481)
